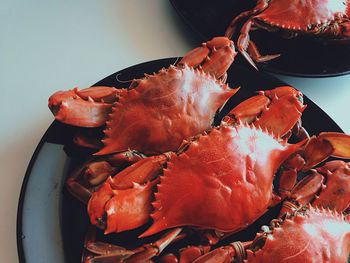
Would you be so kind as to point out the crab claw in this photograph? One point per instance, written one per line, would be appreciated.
(129, 208)
(127, 195)
(325, 145)
(336, 194)
(83, 108)
(125, 208)
(317, 150)
(328, 187)
(214, 56)
(83, 181)
(276, 110)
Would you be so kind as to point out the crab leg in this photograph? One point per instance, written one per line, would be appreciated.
(260, 6)
(96, 251)
(106, 253)
(254, 53)
(303, 192)
(234, 252)
(187, 254)
(247, 47)
(214, 57)
(101, 252)
(127, 157)
(154, 249)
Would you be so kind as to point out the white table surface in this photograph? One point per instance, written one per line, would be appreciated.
(51, 45)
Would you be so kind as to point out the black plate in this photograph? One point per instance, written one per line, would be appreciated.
(49, 167)
(301, 56)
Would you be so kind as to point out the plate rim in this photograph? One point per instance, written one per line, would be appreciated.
(19, 219)
(44, 139)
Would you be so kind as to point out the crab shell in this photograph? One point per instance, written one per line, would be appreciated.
(303, 15)
(317, 235)
(230, 168)
(164, 108)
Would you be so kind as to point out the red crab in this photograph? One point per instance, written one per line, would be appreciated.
(231, 167)
(156, 113)
(324, 18)
(303, 233)
(308, 235)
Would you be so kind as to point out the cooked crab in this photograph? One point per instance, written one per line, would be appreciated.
(319, 18)
(157, 112)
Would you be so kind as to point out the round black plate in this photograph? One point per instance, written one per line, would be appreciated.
(72, 222)
(300, 56)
